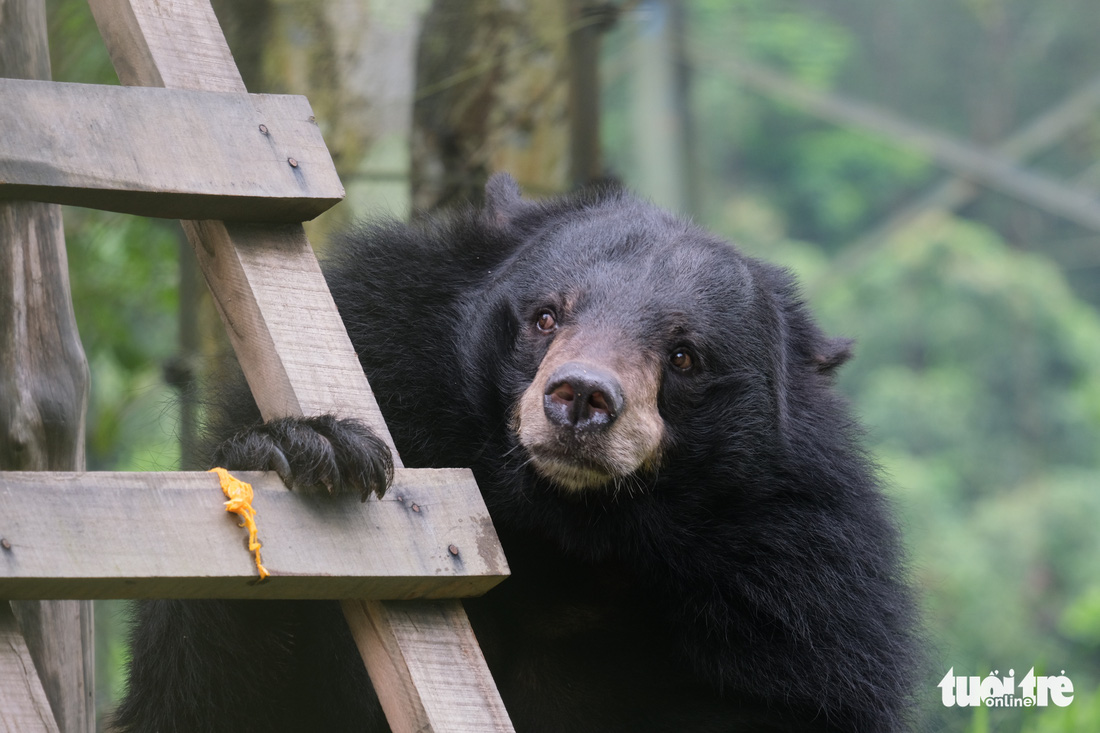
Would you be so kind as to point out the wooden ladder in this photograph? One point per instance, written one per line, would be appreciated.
(185, 140)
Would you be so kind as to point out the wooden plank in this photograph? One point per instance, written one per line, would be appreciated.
(167, 535)
(412, 665)
(24, 707)
(60, 635)
(282, 322)
(160, 55)
(164, 152)
(178, 45)
(267, 287)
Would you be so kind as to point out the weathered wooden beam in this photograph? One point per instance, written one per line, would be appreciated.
(282, 321)
(180, 44)
(428, 669)
(167, 535)
(412, 664)
(23, 707)
(61, 637)
(164, 152)
(177, 45)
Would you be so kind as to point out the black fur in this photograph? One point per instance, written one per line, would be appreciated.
(311, 452)
(749, 580)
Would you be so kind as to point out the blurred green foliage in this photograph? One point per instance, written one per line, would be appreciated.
(124, 282)
(977, 378)
(976, 355)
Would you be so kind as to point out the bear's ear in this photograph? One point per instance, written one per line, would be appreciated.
(503, 199)
(831, 354)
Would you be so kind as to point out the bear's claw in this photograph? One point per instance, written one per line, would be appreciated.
(309, 452)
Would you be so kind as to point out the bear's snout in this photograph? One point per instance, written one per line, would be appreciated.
(589, 416)
(583, 397)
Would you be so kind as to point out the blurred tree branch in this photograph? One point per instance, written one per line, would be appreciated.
(995, 169)
(951, 194)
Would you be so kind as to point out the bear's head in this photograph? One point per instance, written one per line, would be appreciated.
(635, 341)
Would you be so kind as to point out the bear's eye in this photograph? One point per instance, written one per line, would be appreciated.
(681, 359)
(545, 321)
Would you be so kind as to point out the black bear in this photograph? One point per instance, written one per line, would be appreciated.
(697, 540)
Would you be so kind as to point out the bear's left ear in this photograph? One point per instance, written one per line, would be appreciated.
(503, 199)
(830, 354)
(798, 347)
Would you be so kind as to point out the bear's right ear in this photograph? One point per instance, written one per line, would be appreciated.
(831, 354)
(503, 199)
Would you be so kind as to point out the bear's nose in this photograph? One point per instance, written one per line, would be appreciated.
(582, 397)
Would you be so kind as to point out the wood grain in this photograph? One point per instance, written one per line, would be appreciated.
(413, 666)
(282, 322)
(167, 535)
(60, 635)
(179, 45)
(23, 707)
(299, 360)
(164, 152)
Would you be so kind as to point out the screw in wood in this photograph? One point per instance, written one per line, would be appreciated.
(263, 129)
(453, 550)
(293, 163)
(5, 544)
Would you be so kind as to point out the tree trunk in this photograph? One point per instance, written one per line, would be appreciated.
(660, 114)
(589, 22)
(43, 384)
(353, 59)
(492, 93)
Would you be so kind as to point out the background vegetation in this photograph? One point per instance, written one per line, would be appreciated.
(978, 361)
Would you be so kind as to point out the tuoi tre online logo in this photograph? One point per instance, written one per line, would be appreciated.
(1003, 692)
